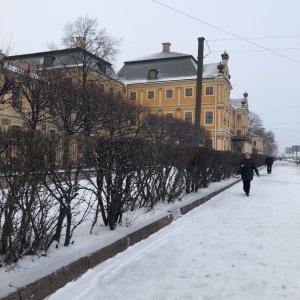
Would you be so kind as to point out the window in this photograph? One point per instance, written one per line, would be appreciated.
(68, 82)
(188, 117)
(16, 99)
(92, 84)
(169, 93)
(254, 143)
(102, 66)
(133, 119)
(48, 61)
(51, 106)
(132, 96)
(52, 133)
(209, 90)
(5, 121)
(151, 119)
(150, 95)
(101, 88)
(238, 117)
(169, 116)
(152, 74)
(208, 143)
(16, 127)
(209, 117)
(188, 92)
(239, 132)
(239, 149)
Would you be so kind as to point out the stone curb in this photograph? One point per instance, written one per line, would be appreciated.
(48, 284)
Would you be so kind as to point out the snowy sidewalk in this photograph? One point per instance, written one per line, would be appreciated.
(231, 247)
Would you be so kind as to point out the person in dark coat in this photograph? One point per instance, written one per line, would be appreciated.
(247, 166)
(269, 163)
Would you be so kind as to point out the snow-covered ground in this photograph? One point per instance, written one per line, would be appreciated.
(232, 247)
(31, 268)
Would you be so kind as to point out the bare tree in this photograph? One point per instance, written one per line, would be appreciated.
(63, 184)
(120, 117)
(270, 146)
(256, 128)
(170, 131)
(6, 77)
(84, 32)
(94, 48)
(29, 95)
(255, 125)
(64, 104)
(65, 109)
(25, 209)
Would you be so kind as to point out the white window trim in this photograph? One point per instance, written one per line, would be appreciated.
(185, 96)
(148, 95)
(213, 117)
(135, 95)
(209, 86)
(172, 93)
(191, 113)
(169, 112)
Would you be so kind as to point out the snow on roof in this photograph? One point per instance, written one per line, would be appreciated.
(169, 79)
(238, 103)
(159, 55)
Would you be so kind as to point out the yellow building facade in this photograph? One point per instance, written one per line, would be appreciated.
(257, 145)
(166, 82)
(99, 73)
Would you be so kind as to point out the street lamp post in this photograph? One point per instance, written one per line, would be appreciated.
(199, 90)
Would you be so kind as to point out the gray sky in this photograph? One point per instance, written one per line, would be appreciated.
(271, 78)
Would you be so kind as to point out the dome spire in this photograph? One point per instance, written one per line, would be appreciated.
(225, 56)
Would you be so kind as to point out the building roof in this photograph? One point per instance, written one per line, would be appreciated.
(241, 138)
(70, 57)
(171, 66)
(160, 55)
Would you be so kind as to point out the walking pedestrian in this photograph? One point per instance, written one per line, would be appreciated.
(269, 162)
(247, 166)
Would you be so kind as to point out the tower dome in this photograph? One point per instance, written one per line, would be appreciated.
(225, 56)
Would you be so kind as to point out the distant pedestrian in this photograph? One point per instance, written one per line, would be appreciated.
(247, 166)
(269, 162)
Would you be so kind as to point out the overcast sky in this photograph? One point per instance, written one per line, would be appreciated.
(262, 39)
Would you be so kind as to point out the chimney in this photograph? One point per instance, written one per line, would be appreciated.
(80, 41)
(166, 47)
(1, 55)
